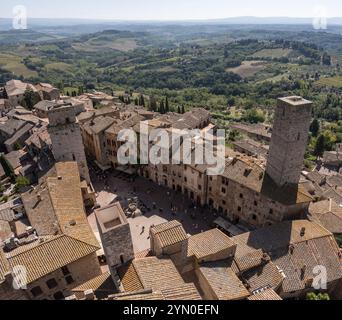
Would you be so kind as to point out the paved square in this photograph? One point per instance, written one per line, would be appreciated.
(159, 201)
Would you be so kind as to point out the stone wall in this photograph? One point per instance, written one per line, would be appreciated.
(289, 142)
(67, 143)
(117, 245)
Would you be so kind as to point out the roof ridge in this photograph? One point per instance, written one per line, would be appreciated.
(53, 238)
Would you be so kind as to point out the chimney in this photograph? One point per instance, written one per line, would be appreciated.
(302, 232)
(330, 205)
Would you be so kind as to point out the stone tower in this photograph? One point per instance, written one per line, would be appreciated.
(65, 134)
(115, 236)
(289, 140)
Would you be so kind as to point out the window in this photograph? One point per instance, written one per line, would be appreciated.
(255, 203)
(224, 202)
(199, 187)
(36, 291)
(65, 271)
(241, 195)
(254, 217)
(52, 283)
(271, 211)
(239, 209)
(69, 279)
(185, 179)
(59, 295)
(223, 190)
(122, 259)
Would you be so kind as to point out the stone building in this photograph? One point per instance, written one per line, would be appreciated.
(258, 131)
(15, 91)
(274, 262)
(55, 265)
(93, 133)
(243, 193)
(289, 140)
(58, 248)
(115, 235)
(47, 91)
(168, 239)
(66, 138)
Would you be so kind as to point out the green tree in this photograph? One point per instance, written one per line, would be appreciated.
(21, 182)
(314, 128)
(320, 146)
(167, 106)
(183, 109)
(254, 116)
(162, 107)
(315, 297)
(31, 98)
(142, 101)
(153, 104)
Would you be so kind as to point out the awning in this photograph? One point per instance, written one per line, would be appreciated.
(102, 167)
(227, 226)
(126, 169)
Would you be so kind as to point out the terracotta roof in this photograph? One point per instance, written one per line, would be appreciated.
(257, 129)
(328, 213)
(208, 243)
(137, 296)
(296, 247)
(129, 278)
(102, 285)
(17, 87)
(39, 210)
(263, 276)
(249, 174)
(67, 201)
(43, 258)
(268, 294)
(223, 281)
(169, 233)
(4, 266)
(98, 125)
(252, 147)
(183, 292)
(5, 230)
(157, 274)
(143, 254)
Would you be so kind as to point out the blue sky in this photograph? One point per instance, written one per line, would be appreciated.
(169, 9)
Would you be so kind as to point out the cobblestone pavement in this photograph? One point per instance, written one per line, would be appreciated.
(159, 201)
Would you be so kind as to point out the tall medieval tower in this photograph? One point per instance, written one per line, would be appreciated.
(289, 140)
(66, 138)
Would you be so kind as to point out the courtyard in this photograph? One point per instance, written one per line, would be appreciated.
(158, 204)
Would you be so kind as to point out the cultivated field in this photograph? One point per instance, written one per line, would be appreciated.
(14, 64)
(272, 53)
(248, 68)
(335, 82)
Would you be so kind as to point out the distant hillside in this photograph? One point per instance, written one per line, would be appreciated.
(23, 36)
